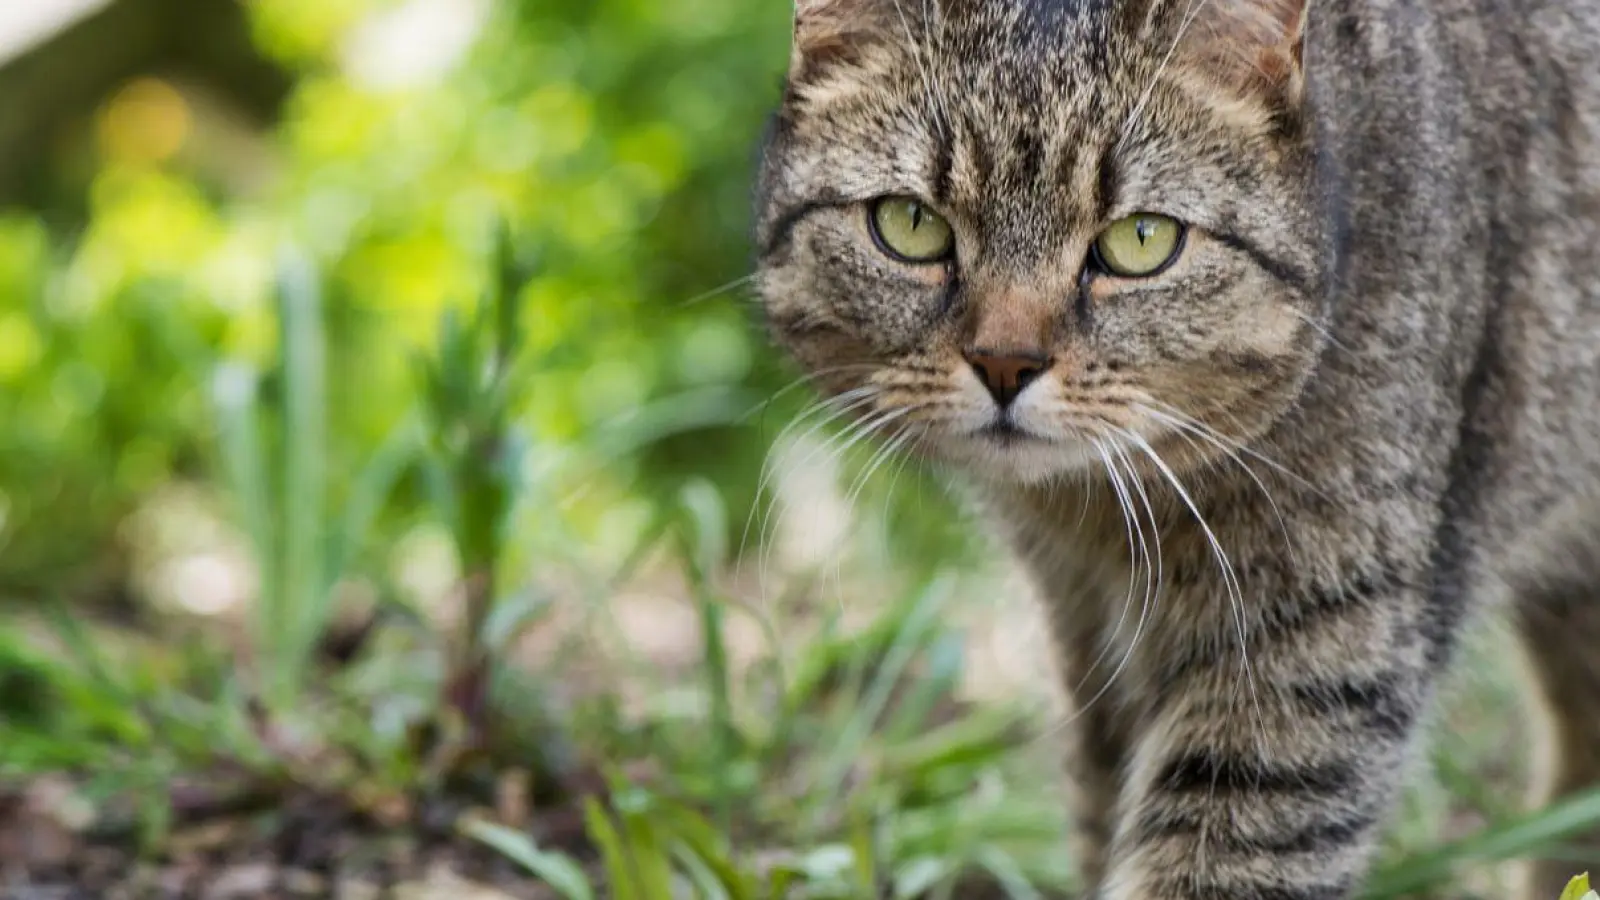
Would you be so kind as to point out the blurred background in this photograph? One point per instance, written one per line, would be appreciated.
(387, 432)
(398, 493)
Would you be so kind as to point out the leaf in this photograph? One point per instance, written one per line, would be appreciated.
(707, 884)
(116, 704)
(945, 661)
(557, 870)
(648, 853)
(619, 870)
(917, 630)
(984, 736)
(698, 837)
(1578, 889)
(1507, 840)
(708, 517)
(511, 616)
(304, 601)
(916, 877)
(1006, 871)
(368, 494)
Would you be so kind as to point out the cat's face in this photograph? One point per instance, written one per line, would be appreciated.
(1029, 235)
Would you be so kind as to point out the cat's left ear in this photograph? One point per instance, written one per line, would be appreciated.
(1257, 46)
(827, 31)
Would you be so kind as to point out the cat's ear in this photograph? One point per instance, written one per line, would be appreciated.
(1256, 46)
(827, 31)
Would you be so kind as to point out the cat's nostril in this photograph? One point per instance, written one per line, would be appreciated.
(1006, 373)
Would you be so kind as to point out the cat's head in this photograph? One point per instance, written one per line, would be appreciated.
(1030, 233)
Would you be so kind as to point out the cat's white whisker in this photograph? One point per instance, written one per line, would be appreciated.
(834, 408)
(912, 430)
(1125, 503)
(880, 456)
(1153, 587)
(1191, 431)
(1129, 515)
(1321, 328)
(1229, 576)
(1152, 575)
(1154, 408)
(719, 290)
(802, 381)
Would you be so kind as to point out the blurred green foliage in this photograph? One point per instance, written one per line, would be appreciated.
(142, 326)
(615, 136)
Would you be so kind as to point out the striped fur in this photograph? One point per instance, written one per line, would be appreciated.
(1263, 491)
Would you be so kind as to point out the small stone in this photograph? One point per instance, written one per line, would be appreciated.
(250, 880)
(176, 881)
(200, 840)
(305, 884)
(511, 798)
(443, 884)
(351, 888)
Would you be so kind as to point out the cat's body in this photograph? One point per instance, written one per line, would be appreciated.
(1263, 485)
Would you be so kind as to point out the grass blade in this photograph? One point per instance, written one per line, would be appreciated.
(613, 854)
(234, 389)
(368, 494)
(911, 638)
(557, 870)
(1514, 839)
(303, 350)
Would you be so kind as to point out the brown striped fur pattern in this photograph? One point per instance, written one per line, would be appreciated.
(1261, 491)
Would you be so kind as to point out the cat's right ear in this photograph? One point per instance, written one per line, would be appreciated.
(1256, 46)
(830, 31)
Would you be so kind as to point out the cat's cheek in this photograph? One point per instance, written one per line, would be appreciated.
(1274, 331)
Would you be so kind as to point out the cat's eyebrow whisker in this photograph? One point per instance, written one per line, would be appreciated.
(925, 73)
(1189, 16)
(1229, 577)
(931, 10)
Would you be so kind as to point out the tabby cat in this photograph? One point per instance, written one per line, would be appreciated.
(1269, 333)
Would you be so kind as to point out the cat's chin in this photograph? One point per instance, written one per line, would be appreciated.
(1015, 457)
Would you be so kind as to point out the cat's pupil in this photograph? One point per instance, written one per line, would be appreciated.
(1146, 230)
(916, 216)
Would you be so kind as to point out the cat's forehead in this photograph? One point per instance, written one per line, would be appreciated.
(1011, 116)
(1022, 172)
(1021, 47)
(1018, 79)
(1021, 135)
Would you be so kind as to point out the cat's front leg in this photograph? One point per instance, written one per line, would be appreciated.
(1267, 774)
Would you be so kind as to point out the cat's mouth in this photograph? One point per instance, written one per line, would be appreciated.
(1005, 432)
(1006, 449)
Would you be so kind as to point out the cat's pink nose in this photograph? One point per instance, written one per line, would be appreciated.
(1006, 373)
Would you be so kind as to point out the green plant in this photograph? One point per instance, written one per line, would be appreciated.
(475, 468)
(275, 454)
(1578, 889)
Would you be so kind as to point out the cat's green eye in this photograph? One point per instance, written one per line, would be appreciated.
(1139, 245)
(909, 231)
